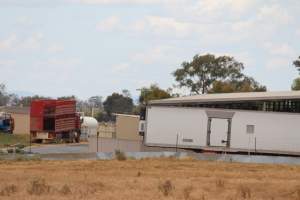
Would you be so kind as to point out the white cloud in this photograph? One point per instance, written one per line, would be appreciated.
(168, 25)
(55, 48)
(155, 54)
(58, 68)
(244, 57)
(32, 3)
(215, 10)
(108, 24)
(280, 55)
(278, 63)
(24, 21)
(13, 42)
(33, 42)
(263, 25)
(9, 42)
(7, 63)
(138, 26)
(274, 13)
(141, 2)
(120, 67)
(280, 49)
(60, 64)
(165, 26)
(209, 6)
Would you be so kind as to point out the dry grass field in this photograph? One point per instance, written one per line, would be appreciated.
(147, 179)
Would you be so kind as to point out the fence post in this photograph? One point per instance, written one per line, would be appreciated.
(255, 143)
(176, 142)
(97, 140)
(29, 142)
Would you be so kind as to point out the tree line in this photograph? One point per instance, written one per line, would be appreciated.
(204, 74)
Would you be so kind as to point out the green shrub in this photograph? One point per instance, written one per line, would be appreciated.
(120, 155)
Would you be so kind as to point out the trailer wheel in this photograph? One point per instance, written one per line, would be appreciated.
(71, 137)
(39, 141)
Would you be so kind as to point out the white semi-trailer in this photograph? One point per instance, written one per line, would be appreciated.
(174, 125)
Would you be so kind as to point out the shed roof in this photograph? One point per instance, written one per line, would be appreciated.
(126, 115)
(15, 110)
(229, 97)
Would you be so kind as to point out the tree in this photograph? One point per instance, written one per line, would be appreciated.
(4, 97)
(126, 93)
(152, 93)
(95, 101)
(296, 84)
(103, 117)
(118, 103)
(199, 74)
(297, 63)
(14, 100)
(26, 101)
(246, 84)
(72, 97)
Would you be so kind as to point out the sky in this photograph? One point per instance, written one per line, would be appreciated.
(96, 47)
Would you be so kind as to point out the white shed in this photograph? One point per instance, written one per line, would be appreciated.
(265, 122)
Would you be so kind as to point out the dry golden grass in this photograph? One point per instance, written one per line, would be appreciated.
(147, 179)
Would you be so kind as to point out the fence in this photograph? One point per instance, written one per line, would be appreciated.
(107, 130)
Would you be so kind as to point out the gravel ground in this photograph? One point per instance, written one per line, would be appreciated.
(59, 148)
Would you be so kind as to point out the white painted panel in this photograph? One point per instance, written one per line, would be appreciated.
(165, 123)
(273, 131)
(219, 129)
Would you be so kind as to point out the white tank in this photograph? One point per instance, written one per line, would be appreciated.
(89, 127)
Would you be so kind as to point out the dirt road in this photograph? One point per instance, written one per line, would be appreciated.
(147, 179)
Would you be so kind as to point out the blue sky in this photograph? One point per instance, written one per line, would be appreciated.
(96, 47)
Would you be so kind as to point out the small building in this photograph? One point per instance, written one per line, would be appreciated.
(265, 122)
(21, 116)
(122, 135)
(107, 129)
(127, 127)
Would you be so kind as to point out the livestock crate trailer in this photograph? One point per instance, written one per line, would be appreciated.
(261, 122)
(54, 119)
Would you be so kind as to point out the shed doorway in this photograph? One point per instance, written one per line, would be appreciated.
(218, 132)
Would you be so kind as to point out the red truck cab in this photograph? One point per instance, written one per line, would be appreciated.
(54, 119)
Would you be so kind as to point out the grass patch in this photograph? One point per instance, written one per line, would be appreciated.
(166, 188)
(8, 190)
(220, 183)
(187, 192)
(244, 191)
(158, 179)
(11, 139)
(120, 155)
(38, 187)
(65, 190)
(21, 158)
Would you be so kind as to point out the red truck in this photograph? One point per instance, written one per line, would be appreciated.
(54, 119)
